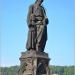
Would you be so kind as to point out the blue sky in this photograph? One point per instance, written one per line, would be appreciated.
(60, 44)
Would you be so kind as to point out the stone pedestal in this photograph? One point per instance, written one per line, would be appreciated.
(34, 63)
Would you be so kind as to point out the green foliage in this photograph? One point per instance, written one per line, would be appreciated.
(9, 70)
(69, 70)
(61, 70)
(57, 69)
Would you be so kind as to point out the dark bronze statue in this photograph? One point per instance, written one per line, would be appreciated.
(37, 22)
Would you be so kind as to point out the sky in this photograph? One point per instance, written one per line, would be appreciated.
(14, 30)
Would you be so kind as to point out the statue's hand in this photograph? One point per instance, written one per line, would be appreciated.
(32, 24)
(32, 17)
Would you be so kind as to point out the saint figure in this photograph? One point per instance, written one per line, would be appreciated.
(37, 22)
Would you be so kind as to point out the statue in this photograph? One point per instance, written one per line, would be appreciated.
(37, 23)
(35, 61)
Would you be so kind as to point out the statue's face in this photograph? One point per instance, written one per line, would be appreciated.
(39, 2)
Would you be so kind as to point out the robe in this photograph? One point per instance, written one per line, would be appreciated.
(37, 34)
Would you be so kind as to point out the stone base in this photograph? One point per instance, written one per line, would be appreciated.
(34, 63)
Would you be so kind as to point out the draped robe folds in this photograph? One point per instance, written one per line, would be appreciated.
(37, 34)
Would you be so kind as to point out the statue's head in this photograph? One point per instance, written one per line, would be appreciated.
(39, 1)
